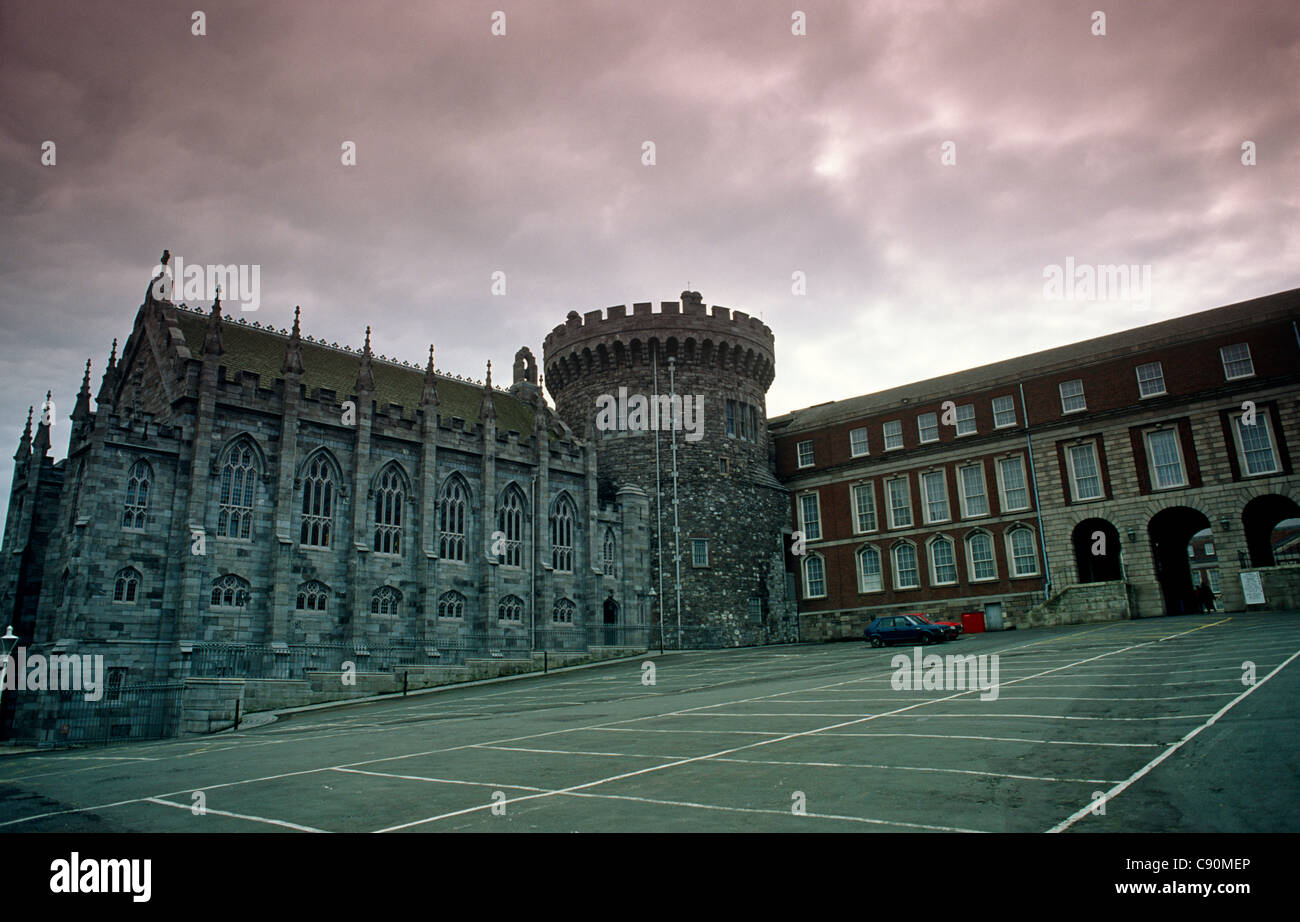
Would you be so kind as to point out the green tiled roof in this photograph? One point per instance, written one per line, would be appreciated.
(261, 351)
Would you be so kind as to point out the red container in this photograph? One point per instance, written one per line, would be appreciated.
(972, 622)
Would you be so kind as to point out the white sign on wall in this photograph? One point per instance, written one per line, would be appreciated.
(1252, 587)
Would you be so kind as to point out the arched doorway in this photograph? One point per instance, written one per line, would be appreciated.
(1171, 532)
(1096, 551)
(1269, 529)
(611, 621)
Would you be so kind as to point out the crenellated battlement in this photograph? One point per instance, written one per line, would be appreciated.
(686, 330)
(671, 317)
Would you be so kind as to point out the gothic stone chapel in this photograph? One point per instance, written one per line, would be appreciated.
(246, 501)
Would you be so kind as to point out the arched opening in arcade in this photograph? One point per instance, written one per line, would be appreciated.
(1272, 525)
(1096, 551)
(1172, 548)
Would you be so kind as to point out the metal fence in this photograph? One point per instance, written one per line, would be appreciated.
(294, 661)
(125, 712)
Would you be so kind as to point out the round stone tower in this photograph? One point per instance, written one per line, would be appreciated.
(639, 383)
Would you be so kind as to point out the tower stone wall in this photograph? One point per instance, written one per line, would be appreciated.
(727, 493)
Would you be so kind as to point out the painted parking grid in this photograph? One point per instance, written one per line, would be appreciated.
(768, 778)
(732, 740)
(1091, 742)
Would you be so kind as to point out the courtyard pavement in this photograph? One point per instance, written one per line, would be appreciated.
(1135, 726)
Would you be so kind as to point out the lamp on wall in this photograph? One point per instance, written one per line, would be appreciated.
(1132, 535)
(1225, 523)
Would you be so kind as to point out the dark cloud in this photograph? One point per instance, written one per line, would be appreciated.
(775, 154)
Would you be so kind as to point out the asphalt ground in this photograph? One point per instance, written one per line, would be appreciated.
(1136, 726)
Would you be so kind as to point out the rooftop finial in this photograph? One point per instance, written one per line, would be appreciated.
(293, 352)
(25, 441)
(430, 393)
(365, 377)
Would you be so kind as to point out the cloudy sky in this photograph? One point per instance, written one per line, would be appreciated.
(825, 154)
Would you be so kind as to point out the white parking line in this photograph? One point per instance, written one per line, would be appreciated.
(991, 739)
(655, 768)
(1145, 769)
(237, 816)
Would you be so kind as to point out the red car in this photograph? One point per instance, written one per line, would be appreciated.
(951, 628)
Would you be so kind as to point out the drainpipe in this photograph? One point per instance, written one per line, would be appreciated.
(532, 576)
(1038, 507)
(677, 549)
(659, 504)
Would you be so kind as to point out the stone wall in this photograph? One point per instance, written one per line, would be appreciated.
(726, 492)
(1082, 603)
(848, 625)
(1281, 587)
(208, 705)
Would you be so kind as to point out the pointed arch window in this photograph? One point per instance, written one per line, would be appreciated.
(317, 503)
(390, 494)
(510, 522)
(562, 536)
(126, 586)
(453, 504)
(136, 508)
(563, 611)
(511, 609)
(313, 595)
(451, 605)
(235, 504)
(384, 601)
(230, 591)
(609, 553)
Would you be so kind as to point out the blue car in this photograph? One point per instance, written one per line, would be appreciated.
(902, 629)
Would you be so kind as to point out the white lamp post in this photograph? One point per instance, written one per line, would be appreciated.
(7, 644)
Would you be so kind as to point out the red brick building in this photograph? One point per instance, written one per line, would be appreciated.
(1074, 476)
